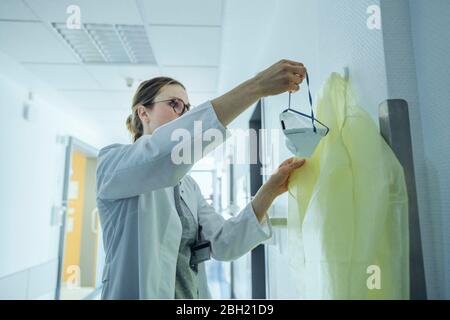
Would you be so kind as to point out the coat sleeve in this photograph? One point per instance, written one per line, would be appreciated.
(232, 238)
(146, 165)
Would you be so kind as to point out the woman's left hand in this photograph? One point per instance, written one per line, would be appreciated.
(276, 185)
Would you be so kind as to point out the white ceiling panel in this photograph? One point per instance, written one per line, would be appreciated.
(32, 42)
(15, 10)
(192, 12)
(113, 77)
(186, 45)
(194, 78)
(101, 100)
(91, 11)
(64, 76)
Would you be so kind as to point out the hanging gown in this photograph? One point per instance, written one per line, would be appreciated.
(348, 209)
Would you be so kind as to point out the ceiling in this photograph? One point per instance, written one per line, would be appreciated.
(120, 39)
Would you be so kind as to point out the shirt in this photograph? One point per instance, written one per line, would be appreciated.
(186, 282)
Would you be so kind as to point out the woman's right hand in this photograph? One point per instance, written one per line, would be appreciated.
(285, 75)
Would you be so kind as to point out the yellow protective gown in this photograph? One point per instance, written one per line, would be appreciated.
(348, 209)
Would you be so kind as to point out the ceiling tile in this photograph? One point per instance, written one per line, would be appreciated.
(186, 45)
(98, 11)
(64, 76)
(15, 10)
(194, 78)
(197, 12)
(113, 77)
(32, 42)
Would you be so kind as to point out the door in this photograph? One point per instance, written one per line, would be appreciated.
(81, 254)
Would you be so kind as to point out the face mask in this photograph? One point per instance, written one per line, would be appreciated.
(302, 132)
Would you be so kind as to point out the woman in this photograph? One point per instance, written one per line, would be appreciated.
(156, 224)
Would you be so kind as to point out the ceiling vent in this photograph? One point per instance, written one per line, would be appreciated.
(108, 43)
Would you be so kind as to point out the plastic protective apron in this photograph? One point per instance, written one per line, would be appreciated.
(348, 209)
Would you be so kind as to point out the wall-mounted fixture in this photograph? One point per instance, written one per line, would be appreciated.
(27, 108)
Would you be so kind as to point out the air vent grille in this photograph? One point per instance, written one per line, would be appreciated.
(108, 43)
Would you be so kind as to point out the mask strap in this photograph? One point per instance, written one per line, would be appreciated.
(310, 103)
(289, 104)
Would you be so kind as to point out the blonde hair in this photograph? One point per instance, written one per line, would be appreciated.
(145, 95)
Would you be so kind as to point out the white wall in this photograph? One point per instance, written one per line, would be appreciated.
(32, 164)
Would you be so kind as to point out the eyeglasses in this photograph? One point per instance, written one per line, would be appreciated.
(178, 105)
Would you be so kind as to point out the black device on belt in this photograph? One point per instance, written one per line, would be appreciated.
(200, 251)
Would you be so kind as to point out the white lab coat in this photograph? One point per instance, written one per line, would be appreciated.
(141, 227)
